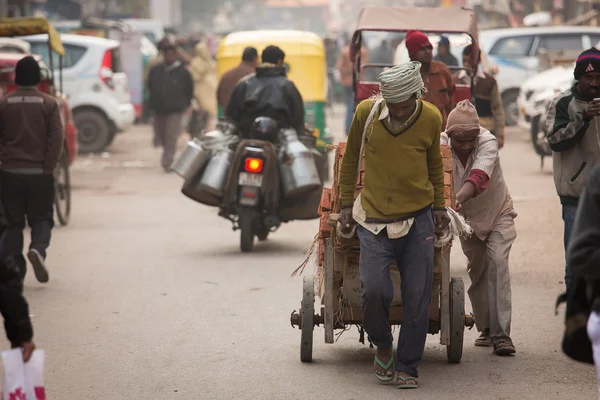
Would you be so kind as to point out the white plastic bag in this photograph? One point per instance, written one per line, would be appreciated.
(23, 381)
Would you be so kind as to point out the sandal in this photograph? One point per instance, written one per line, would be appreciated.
(403, 383)
(504, 348)
(484, 340)
(386, 367)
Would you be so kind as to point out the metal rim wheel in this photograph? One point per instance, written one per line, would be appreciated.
(246, 223)
(457, 320)
(307, 318)
(62, 190)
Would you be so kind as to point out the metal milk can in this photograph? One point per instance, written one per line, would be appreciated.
(215, 175)
(193, 158)
(297, 167)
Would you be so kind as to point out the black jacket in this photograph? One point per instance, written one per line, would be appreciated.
(171, 88)
(583, 254)
(267, 93)
(13, 305)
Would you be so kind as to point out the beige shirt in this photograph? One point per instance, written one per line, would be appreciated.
(484, 210)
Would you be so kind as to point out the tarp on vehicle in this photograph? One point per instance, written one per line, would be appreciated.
(14, 27)
(426, 20)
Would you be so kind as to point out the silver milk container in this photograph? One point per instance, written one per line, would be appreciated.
(297, 167)
(215, 175)
(193, 158)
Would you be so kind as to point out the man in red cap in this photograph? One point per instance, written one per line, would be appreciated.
(437, 77)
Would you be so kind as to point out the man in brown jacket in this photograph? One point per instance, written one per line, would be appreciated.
(31, 141)
(231, 78)
(436, 75)
(488, 101)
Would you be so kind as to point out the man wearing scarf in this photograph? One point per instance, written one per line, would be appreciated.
(484, 200)
(399, 136)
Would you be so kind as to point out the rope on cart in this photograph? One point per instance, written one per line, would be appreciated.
(300, 269)
(458, 227)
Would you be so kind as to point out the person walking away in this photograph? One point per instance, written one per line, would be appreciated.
(484, 199)
(572, 133)
(443, 53)
(488, 101)
(204, 74)
(437, 77)
(395, 212)
(345, 66)
(268, 93)
(231, 78)
(13, 306)
(171, 90)
(31, 141)
(583, 255)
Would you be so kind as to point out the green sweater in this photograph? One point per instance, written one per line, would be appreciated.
(404, 172)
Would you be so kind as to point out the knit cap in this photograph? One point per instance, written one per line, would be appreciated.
(27, 72)
(462, 119)
(415, 41)
(588, 61)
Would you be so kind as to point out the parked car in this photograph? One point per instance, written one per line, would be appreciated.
(95, 86)
(515, 52)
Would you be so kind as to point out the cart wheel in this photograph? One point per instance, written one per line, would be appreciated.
(62, 190)
(457, 320)
(308, 312)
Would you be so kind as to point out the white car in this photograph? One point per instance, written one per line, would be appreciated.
(535, 89)
(515, 52)
(95, 86)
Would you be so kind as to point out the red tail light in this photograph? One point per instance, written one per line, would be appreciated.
(254, 165)
(106, 72)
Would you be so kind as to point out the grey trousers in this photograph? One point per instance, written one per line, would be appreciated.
(414, 256)
(490, 291)
(167, 129)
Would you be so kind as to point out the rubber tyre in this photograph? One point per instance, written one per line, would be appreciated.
(94, 131)
(511, 110)
(62, 190)
(307, 319)
(457, 321)
(262, 234)
(246, 223)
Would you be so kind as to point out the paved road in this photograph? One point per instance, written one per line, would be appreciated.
(150, 298)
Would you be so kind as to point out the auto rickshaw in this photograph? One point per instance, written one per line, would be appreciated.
(337, 281)
(306, 65)
(15, 27)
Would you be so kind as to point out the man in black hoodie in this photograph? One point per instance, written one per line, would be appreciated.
(171, 91)
(583, 255)
(267, 93)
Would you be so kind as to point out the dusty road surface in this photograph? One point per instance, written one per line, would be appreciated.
(150, 298)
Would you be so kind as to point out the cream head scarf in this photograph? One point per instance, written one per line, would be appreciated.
(401, 82)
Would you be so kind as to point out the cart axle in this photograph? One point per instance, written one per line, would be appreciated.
(297, 321)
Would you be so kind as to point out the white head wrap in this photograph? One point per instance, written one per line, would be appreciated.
(401, 82)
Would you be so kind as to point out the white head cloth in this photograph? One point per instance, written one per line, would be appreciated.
(401, 82)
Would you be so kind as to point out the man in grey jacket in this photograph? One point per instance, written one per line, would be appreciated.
(574, 138)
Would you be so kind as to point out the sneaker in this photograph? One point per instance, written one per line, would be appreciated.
(39, 267)
(484, 340)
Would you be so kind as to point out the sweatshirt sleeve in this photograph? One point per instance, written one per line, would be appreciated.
(435, 165)
(583, 254)
(498, 111)
(55, 138)
(349, 168)
(564, 131)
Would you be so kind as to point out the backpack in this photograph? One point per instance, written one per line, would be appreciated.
(576, 343)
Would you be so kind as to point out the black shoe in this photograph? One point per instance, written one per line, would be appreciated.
(39, 267)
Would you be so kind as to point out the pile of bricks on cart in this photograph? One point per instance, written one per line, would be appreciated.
(330, 199)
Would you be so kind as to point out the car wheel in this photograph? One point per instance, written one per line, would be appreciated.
(94, 131)
(511, 109)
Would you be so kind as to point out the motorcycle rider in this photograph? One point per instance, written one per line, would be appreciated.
(267, 93)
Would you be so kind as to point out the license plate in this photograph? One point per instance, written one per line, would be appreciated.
(247, 179)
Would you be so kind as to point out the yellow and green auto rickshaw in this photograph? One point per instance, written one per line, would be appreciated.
(304, 60)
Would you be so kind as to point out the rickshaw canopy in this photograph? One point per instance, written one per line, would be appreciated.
(426, 20)
(304, 56)
(14, 27)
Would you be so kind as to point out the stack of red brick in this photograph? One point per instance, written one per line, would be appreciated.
(330, 199)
